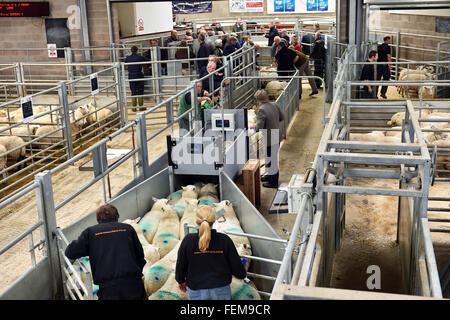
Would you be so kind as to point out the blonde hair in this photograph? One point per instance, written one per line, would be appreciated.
(205, 218)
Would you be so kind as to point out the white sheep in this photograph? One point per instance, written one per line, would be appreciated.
(138, 229)
(415, 77)
(150, 221)
(374, 136)
(12, 142)
(169, 291)
(151, 255)
(175, 196)
(243, 290)
(190, 191)
(396, 119)
(274, 88)
(3, 160)
(156, 276)
(80, 115)
(189, 216)
(51, 138)
(208, 188)
(21, 131)
(167, 234)
(97, 116)
(208, 195)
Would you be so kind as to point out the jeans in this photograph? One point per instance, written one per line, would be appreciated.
(220, 293)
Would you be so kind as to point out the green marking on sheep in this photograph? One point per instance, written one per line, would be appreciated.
(163, 295)
(245, 292)
(147, 227)
(179, 209)
(206, 202)
(158, 273)
(166, 237)
(235, 230)
(175, 195)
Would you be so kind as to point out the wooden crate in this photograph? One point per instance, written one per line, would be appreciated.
(250, 181)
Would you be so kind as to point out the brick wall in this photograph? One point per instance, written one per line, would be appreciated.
(30, 33)
(412, 24)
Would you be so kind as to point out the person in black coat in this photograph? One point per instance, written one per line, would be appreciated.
(319, 55)
(207, 260)
(115, 254)
(135, 72)
(203, 52)
(273, 32)
(368, 74)
(230, 46)
(285, 60)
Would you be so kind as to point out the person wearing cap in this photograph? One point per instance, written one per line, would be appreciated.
(207, 260)
(285, 36)
(285, 60)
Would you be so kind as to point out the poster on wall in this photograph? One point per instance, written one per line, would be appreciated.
(186, 7)
(246, 6)
(300, 6)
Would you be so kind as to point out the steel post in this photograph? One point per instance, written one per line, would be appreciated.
(67, 133)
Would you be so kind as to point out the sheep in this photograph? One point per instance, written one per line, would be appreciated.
(138, 229)
(80, 114)
(150, 221)
(208, 189)
(374, 136)
(21, 131)
(151, 255)
(189, 216)
(243, 290)
(51, 138)
(169, 291)
(97, 115)
(190, 191)
(267, 72)
(208, 195)
(156, 276)
(3, 160)
(167, 234)
(174, 197)
(421, 70)
(415, 77)
(274, 88)
(244, 249)
(228, 207)
(396, 119)
(251, 116)
(87, 265)
(12, 142)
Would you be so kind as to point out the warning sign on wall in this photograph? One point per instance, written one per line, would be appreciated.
(140, 24)
(52, 53)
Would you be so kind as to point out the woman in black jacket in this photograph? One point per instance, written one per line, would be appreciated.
(207, 260)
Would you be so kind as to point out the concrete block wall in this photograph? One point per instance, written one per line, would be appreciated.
(30, 33)
(412, 24)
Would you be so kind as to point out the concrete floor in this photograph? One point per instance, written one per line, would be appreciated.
(296, 154)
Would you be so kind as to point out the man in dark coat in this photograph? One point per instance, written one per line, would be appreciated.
(115, 254)
(286, 60)
(230, 46)
(273, 32)
(319, 55)
(203, 52)
(135, 72)
(368, 74)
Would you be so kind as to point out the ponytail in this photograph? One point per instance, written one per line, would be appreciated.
(205, 218)
(204, 236)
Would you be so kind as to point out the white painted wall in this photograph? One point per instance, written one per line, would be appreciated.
(156, 17)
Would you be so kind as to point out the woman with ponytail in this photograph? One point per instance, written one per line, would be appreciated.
(207, 260)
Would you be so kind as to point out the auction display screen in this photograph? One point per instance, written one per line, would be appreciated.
(24, 9)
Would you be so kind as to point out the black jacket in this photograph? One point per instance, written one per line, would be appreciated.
(203, 52)
(135, 70)
(273, 32)
(114, 251)
(318, 50)
(212, 268)
(228, 49)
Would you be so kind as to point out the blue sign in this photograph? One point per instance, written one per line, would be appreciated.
(312, 5)
(278, 5)
(323, 5)
(186, 7)
(289, 5)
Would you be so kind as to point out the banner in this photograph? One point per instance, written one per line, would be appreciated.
(246, 6)
(300, 6)
(185, 7)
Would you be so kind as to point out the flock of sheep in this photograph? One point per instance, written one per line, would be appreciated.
(435, 137)
(422, 73)
(43, 129)
(161, 230)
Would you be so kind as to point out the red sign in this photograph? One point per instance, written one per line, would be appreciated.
(254, 4)
(141, 24)
(24, 9)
